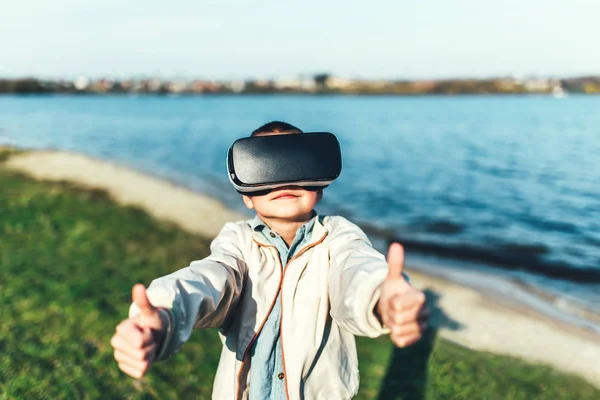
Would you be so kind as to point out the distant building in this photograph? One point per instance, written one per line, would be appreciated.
(154, 85)
(263, 83)
(197, 86)
(287, 83)
(538, 84)
(237, 86)
(335, 82)
(507, 84)
(423, 86)
(81, 83)
(127, 84)
(106, 83)
(307, 83)
(177, 86)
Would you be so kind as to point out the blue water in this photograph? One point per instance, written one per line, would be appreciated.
(508, 182)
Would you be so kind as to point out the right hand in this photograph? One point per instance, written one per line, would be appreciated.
(137, 339)
(401, 306)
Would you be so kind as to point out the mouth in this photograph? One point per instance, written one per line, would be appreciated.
(284, 196)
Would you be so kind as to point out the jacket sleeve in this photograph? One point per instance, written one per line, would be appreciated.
(200, 295)
(356, 273)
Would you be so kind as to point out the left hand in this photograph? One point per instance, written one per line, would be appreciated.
(401, 307)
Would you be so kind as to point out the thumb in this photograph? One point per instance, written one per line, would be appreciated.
(139, 297)
(395, 260)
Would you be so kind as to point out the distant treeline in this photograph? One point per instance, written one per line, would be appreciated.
(319, 84)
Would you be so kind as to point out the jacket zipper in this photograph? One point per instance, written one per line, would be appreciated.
(298, 254)
(237, 396)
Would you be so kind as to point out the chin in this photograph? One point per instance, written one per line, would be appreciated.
(293, 215)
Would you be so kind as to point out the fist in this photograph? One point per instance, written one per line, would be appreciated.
(136, 339)
(401, 307)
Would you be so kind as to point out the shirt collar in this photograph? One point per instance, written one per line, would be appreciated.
(315, 224)
(258, 225)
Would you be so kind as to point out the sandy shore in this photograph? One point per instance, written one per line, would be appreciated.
(190, 210)
(475, 319)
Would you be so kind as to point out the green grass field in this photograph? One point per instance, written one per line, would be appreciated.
(68, 259)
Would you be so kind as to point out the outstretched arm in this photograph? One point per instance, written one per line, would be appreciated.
(370, 296)
(201, 295)
(356, 274)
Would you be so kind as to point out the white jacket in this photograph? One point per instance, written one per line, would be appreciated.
(328, 293)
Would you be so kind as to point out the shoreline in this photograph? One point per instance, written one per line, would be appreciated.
(191, 211)
(478, 319)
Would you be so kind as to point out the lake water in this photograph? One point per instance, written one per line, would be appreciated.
(509, 183)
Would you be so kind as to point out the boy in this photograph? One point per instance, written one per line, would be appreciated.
(288, 290)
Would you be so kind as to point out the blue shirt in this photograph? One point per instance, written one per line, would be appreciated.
(266, 370)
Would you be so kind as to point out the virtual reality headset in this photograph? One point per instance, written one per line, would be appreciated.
(257, 165)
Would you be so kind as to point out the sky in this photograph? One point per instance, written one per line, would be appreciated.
(235, 39)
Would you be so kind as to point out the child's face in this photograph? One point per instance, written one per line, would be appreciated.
(290, 203)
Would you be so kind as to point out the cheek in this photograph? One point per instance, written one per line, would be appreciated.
(311, 198)
(260, 204)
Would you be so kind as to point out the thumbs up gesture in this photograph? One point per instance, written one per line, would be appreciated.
(136, 339)
(401, 307)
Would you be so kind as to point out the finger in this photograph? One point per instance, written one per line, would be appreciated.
(395, 260)
(405, 341)
(132, 371)
(133, 334)
(139, 296)
(412, 328)
(125, 358)
(144, 354)
(129, 331)
(407, 301)
(118, 343)
(397, 318)
(404, 317)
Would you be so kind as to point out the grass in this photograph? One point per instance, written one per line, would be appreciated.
(6, 152)
(68, 259)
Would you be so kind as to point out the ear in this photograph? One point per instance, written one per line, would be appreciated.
(248, 202)
(319, 195)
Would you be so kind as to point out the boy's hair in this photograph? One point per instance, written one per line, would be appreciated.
(276, 127)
